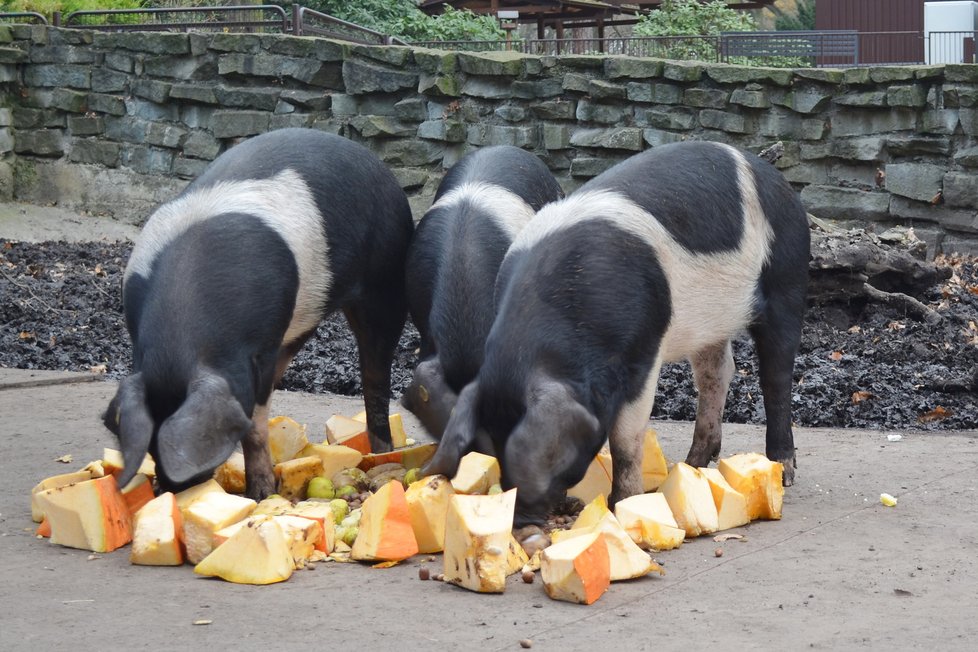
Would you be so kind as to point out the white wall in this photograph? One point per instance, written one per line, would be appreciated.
(958, 16)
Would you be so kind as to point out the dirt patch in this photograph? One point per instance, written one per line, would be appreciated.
(860, 365)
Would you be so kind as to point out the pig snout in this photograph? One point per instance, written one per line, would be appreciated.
(189, 444)
(429, 397)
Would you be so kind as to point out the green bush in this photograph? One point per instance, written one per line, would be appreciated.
(403, 19)
(688, 17)
(453, 25)
(677, 18)
(48, 7)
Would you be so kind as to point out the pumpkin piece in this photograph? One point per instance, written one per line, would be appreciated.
(157, 538)
(627, 560)
(91, 515)
(577, 570)
(286, 438)
(186, 497)
(211, 512)
(516, 557)
(759, 480)
(301, 535)
(689, 496)
(649, 522)
(428, 500)
(321, 513)
(592, 513)
(294, 476)
(44, 529)
(273, 505)
(138, 492)
(255, 554)
(385, 532)
(654, 468)
(409, 457)
(597, 478)
(731, 504)
(478, 535)
(348, 432)
(60, 480)
(231, 474)
(335, 457)
(113, 463)
(398, 436)
(476, 473)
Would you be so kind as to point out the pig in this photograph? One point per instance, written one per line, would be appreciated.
(482, 203)
(228, 280)
(665, 256)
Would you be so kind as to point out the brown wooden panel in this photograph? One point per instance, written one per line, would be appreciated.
(891, 30)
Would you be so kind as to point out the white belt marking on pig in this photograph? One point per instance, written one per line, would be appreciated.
(508, 209)
(712, 294)
(283, 203)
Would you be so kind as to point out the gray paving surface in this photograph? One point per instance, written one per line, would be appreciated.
(839, 571)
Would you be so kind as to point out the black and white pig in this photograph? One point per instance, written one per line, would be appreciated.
(667, 255)
(229, 279)
(482, 203)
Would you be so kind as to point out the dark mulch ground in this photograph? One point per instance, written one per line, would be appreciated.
(860, 365)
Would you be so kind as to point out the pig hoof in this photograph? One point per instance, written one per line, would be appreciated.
(702, 455)
(788, 474)
(380, 446)
(532, 538)
(261, 488)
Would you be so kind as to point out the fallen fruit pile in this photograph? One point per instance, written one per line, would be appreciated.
(338, 501)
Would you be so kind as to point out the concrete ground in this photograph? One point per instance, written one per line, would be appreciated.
(839, 571)
(29, 223)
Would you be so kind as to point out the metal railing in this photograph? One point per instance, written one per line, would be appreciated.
(951, 47)
(835, 47)
(23, 17)
(309, 22)
(820, 48)
(300, 21)
(249, 18)
(666, 47)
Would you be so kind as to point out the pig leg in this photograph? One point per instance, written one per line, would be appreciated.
(377, 321)
(777, 339)
(259, 470)
(626, 441)
(713, 367)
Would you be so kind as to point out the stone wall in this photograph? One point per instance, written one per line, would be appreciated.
(115, 123)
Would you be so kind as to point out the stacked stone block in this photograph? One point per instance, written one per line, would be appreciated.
(148, 111)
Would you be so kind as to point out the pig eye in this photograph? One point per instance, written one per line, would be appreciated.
(423, 392)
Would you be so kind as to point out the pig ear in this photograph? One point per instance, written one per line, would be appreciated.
(460, 434)
(549, 441)
(202, 434)
(129, 419)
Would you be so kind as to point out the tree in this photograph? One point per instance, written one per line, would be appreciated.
(695, 20)
(403, 19)
(690, 17)
(803, 20)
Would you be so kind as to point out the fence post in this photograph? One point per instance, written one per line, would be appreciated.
(297, 20)
(56, 19)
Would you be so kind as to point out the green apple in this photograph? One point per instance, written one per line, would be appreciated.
(320, 487)
(340, 509)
